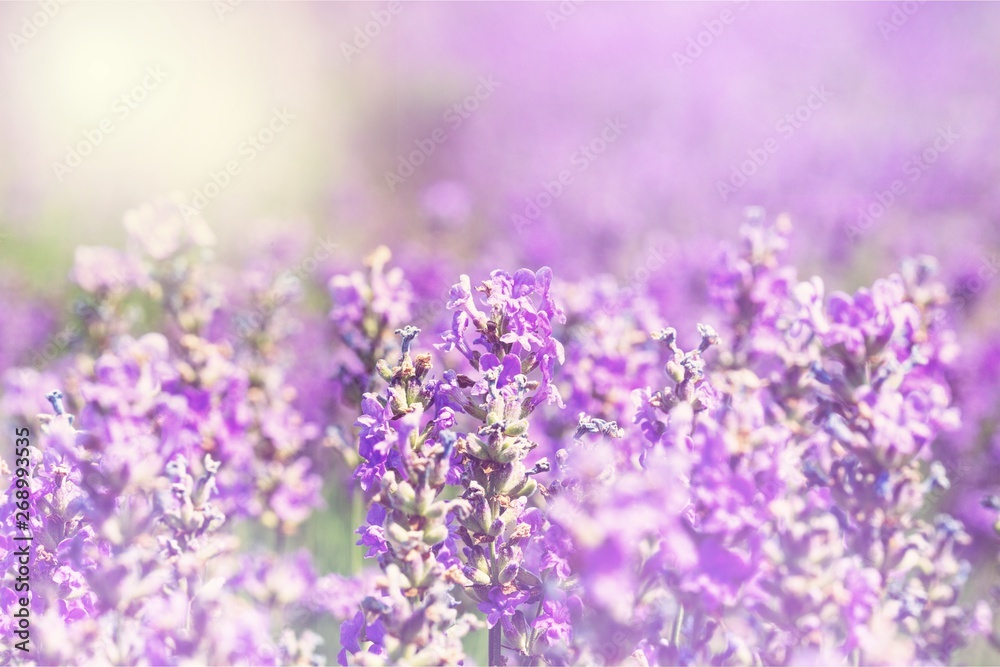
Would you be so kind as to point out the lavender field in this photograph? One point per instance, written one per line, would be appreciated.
(549, 333)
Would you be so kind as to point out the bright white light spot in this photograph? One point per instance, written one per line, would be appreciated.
(99, 70)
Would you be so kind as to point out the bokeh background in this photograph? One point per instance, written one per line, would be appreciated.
(693, 105)
(443, 130)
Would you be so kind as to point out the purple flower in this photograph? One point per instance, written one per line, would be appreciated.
(373, 533)
(501, 604)
(554, 622)
(350, 636)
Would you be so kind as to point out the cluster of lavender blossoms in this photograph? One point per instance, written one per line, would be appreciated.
(572, 472)
(765, 496)
(186, 443)
(464, 436)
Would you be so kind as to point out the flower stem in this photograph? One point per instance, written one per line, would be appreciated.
(496, 655)
(675, 634)
(357, 519)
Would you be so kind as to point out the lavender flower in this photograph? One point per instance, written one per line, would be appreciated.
(759, 475)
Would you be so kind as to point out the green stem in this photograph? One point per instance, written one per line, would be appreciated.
(357, 509)
(533, 635)
(496, 655)
(495, 652)
(675, 632)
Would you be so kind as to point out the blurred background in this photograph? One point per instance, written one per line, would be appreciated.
(471, 136)
(715, 106)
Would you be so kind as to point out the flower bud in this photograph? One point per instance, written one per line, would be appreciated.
(521, 628)
(516, 428)
(517, 409)
(397, 534)
(527, 489)
(461, 508)
(508, 451)
(709, 337)
(508, 573)
(476, 448)
(436, 534)
(389, 484)
(496, 412)
(398, 402)
(675, 371)
(203, 490)
(482, 516)
(497, 527)
(423, 501)
(525, 579)
(486, 518)
(403, 498)
(436, 510)
(383, 369)
(510, 478)
(478, 576)
(422, 365)
(419, 570)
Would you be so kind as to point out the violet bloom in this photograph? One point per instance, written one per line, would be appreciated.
(499, 605)
(554, 622)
